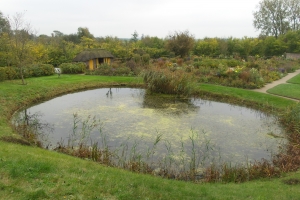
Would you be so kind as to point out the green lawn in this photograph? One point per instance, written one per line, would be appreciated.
(295, 80)
(290, 90)
(286, 90)
(247, 96)
(28, 172)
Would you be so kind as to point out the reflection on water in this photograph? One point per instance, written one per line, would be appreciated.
(231, 133)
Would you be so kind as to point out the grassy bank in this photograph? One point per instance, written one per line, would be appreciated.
(247, 97)
(28, 172)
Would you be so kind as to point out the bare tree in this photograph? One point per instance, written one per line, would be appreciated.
(19, 36)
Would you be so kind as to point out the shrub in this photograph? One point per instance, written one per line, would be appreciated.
(233, 63)
(89, 72)
(108, 70)
(146, 59)
(213, 63)
(12, 73)
(137, 58)
(254, 65)
(245, 76)
(37, 70)
(73, 68)
(131, 64)
(179, 61)
(168, 82)
(2, 74)
(161, 62)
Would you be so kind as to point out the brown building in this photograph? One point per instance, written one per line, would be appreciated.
(94, 57)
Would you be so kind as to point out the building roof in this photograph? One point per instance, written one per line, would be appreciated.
(90, 54)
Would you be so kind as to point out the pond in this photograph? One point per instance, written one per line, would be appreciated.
(132, 120)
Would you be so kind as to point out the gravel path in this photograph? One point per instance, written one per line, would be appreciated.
(280, 81)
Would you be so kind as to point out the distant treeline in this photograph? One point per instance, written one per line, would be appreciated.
(61, 48)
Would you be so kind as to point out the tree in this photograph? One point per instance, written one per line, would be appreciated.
(4, 24)
(152, 42)
(181, 43)
(5, 54)
(19, 45)
(4, 44)
(294, 14)
(84, 32)
(207, 47)
(87, 42)
(135, 36)
(72, 38)
(272, 17)
(276, 17)
(57, 33)
(291, 40)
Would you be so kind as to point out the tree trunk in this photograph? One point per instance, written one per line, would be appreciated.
(22, 76)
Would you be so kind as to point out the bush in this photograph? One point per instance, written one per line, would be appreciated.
(168, 82)
(73, 68)
(137, 58)
(213, 63)
(12, 73)
(108, 70)
(233, 63)
(2, 74)
(37, 70)
(9, 73)
(130, 64)
(146, 58)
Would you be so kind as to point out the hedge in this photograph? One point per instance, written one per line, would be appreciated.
(34, 70)
(73, 68)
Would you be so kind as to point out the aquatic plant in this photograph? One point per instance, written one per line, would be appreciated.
(32, 128)
(189, 163)
(166, 81)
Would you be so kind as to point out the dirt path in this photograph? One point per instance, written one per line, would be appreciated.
(280, 81)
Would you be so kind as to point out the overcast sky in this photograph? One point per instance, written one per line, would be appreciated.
(120, 18)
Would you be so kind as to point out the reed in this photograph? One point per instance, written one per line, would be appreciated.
(168, 81)
(190, 164)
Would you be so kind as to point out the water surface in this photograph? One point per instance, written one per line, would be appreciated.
(220, 131)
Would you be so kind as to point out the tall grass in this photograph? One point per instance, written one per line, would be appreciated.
(31, 128)
(168, 81)
(135, 155)
(192, 163)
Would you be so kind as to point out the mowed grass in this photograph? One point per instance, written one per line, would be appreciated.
(286, 90)
(246, 96)
(28, 172)
(295, 80)
(290, 90)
